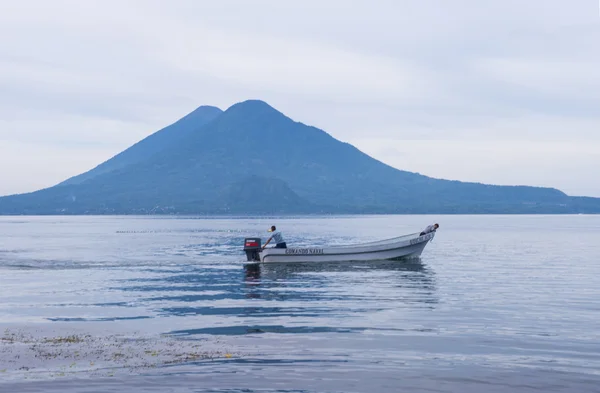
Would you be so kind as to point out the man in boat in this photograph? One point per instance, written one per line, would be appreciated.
(276, 237)
(429, 229)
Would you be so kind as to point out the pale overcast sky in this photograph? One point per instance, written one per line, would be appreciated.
(494, 91)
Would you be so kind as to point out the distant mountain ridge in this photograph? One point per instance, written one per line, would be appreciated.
(252, 159)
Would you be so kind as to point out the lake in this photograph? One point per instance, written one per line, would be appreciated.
(169, 304)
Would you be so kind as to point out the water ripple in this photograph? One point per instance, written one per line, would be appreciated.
(495, 304)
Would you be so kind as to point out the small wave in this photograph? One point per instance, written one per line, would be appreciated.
(186, 230)
(107, 319)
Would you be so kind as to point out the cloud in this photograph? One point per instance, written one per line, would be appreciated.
(435, 80)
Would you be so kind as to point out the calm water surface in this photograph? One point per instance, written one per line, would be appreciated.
(495, 304)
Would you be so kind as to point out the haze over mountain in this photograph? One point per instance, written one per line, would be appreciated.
(252, 159)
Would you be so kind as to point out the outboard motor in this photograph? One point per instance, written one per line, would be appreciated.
(252, 246)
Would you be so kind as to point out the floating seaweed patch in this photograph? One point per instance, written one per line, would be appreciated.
(33, 355)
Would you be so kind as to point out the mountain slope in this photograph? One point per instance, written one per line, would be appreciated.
(160, 140)
(253, 159)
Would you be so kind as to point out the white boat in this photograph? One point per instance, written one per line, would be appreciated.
(408, 246)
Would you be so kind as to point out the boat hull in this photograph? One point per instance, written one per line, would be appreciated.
(410, 246)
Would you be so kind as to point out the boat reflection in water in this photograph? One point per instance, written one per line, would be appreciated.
(275, 271)
(411, 280)
(298, 298)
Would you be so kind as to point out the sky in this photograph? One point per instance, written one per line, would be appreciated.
(496, 91)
